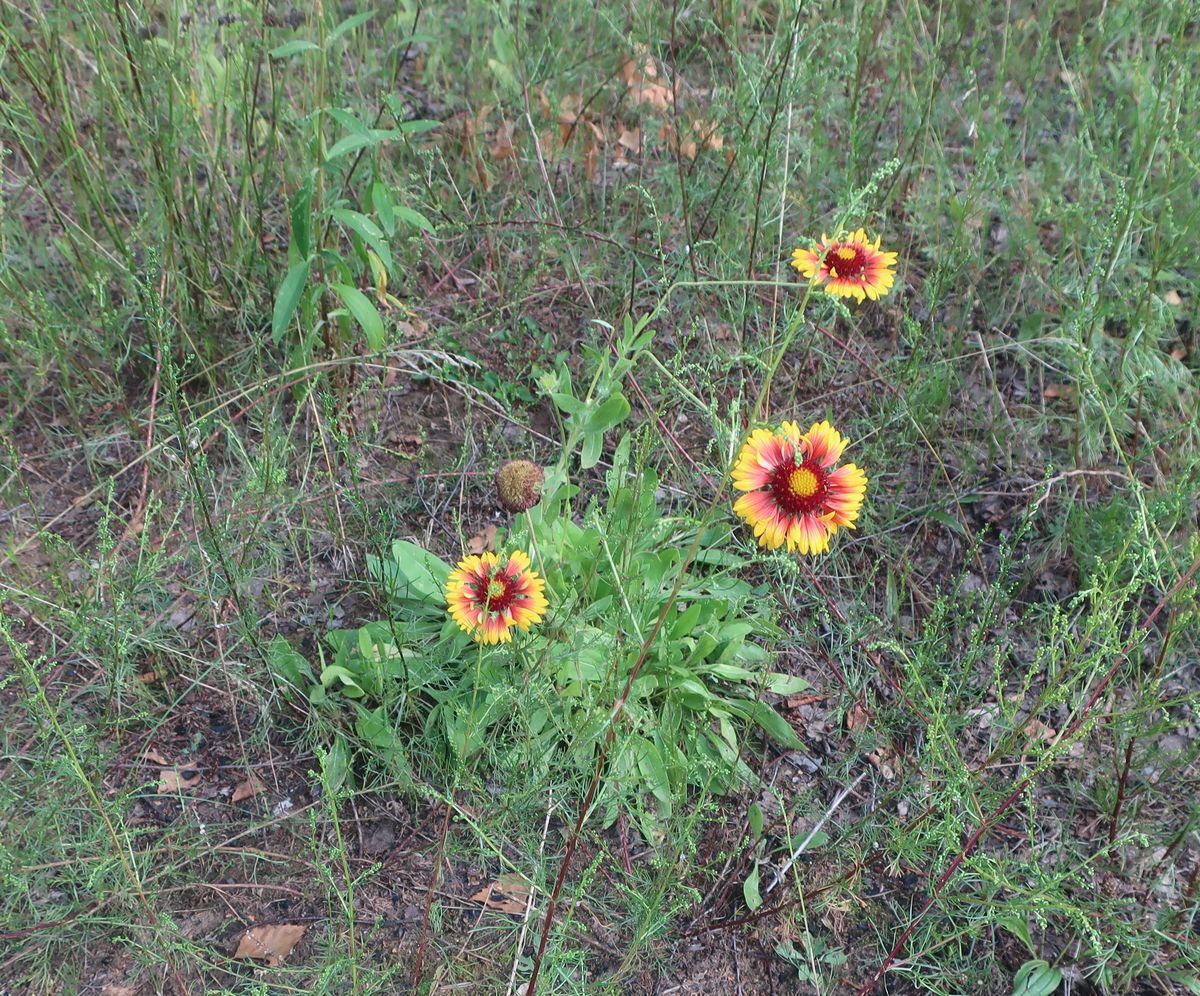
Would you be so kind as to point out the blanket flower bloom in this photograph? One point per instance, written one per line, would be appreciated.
(852, 264)
(793, 493)
(487, 599)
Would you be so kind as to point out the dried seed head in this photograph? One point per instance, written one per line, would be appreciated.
(519, 485)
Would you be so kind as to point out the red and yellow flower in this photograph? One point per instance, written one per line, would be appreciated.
(852, 264)
(487, 599)
(794, 494)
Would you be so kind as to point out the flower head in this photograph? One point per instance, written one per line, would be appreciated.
(519, 485)
(793, 492)
(487, 599)
(852, 264)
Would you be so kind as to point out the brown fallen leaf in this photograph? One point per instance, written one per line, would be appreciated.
(272, 942)
(172, 777)
(250, 787)
(857, 718)
(1058, 391)
(631, 139)
(181, 776)
(111, 990)
(508, 894)
(1035, 729)
(1173, 299)
(501, 146)
(483, 541)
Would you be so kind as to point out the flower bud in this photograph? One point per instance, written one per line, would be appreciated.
(519, 485)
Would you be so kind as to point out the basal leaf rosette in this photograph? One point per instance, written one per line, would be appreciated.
(794, 492)
(487, 600)
(849, 266)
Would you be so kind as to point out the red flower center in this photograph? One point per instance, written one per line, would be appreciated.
(495, 594)
(845, 261)
(799, 490)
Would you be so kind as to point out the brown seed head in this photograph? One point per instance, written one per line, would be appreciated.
(519, 485)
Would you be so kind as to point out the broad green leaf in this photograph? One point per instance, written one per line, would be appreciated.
(750, 890)
(302, 223)
(418, 125)
(349, 121)
(381, 203)
(365, 313)
(419, 574)
(335, 765)
(774, 725)
(1036, 978)
(288, 49)
(335, 672)
(350, 23)
(359, 140)
(589, 455)
(785, 684)
(287, 662)
(287, 299)
(414, 218)
(651, 766)
(370, 233)
(755, 819)
(612, 412)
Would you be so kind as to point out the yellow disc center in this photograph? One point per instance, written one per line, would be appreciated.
(803, 483)
(495, 590)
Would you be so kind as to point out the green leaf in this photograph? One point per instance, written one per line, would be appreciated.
(287, 662)
(287, 299)
(418, 125)
(1036, 978)
(612, 412)
(589, 455)
(414, 218)
(335, 765)
(381, 204)
(418, 574)
(750, 890)
(350, 23)
(650, 764)
(302, 222)
(755, 818)
(359, 140)
(335, 672)
(785, 684)
(369, 232)
(288, 49)
(365, 313)
(774, 725)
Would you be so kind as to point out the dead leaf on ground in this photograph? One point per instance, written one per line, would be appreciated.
(508, 894)
(272, 942)
(501, 146)
(182, 776)
(1059, 391)
(630, 139)
(885, 761)
(172, 777)
(250, 787)
(858, 717)
(654, 94)
(483, 541)
(1035, 729)
(111, 990)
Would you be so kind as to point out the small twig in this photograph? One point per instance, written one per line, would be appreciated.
(838, 800)
(1050, 482)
